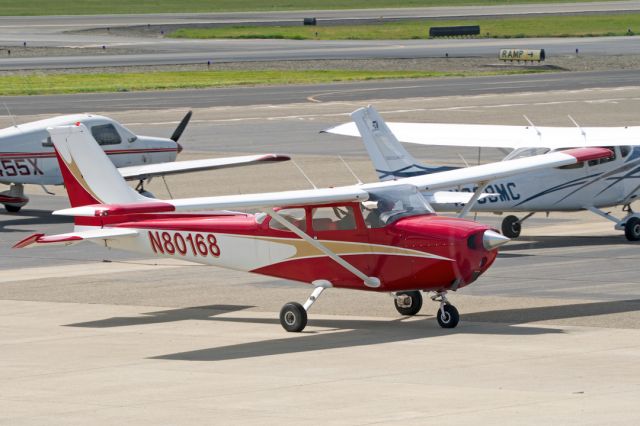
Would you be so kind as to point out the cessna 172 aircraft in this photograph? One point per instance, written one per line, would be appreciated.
(27, 155)
(590, 185)
(379, 237)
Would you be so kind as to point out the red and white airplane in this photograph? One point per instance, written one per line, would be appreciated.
(27, 155)
(380, 237)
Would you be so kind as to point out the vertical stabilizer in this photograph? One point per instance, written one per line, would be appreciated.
(389, 157)
(89, 175)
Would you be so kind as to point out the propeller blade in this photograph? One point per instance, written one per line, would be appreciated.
(183, 124)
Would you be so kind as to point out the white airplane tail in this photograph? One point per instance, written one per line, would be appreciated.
(389, 157)
(89, 176)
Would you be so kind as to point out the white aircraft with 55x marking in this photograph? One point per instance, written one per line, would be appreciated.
(27, 156)
(588, 185)
(381, 236)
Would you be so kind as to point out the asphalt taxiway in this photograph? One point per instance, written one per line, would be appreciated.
(549, 334)
(366, 91)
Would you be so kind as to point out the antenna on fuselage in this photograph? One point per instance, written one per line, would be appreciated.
(582, 132)
(350, 169)
(10, 115)
(304, 174)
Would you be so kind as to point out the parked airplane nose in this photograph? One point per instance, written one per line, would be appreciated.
(492, 240)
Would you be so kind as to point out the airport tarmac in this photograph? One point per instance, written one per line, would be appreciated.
(550, 334)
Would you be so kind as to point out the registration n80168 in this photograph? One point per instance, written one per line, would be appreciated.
(181, 243)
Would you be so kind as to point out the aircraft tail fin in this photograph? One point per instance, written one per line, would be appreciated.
(89, 176)
(390, 159)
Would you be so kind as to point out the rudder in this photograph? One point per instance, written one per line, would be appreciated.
(89, 175)
(390, 159)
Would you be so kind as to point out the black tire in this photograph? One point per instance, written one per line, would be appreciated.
(510, 227)
(632, 229)
(414, 307)
(448, 316)
(12, 209)
(293, 317)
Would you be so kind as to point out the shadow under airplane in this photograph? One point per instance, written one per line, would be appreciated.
(360, 332)
(31, 217)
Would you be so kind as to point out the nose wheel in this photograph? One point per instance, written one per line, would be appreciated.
(447, 316)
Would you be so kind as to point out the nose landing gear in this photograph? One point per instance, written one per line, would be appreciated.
(410, 302)
(448, 316)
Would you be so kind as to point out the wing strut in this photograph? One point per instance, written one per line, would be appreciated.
(371, 282)
(476, 195)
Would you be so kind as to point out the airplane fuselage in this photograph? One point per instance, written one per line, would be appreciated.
(27, 155)
(425, 252)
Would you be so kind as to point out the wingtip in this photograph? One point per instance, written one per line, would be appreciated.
(30, 240)
(275, 157)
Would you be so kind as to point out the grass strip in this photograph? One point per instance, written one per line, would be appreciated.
(94, 7)
(545, 26)
(48, 84)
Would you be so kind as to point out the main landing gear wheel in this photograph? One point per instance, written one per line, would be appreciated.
(448, 316)
(511, 226)
(632, 229)
(11, 208)
(293, 317)
(408, 302)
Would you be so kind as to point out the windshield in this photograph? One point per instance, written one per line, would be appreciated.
(387, 205)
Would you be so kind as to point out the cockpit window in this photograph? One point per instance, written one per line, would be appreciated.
(106, 134)
(340, 218)
(387, 205)
(624, 151)
(295, 216)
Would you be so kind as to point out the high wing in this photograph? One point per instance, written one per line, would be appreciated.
(163, 169)
(369, 127)
(496, 136)
(269, 199)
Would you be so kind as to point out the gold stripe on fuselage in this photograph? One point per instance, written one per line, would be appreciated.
(342, 248)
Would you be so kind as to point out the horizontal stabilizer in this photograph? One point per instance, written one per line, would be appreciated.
(147, 171)
(76, 237)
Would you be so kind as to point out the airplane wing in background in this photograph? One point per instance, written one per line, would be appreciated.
(496, 136)
(176, 167)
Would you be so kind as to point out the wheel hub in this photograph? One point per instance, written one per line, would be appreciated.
(405, 301)
(290, 318)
